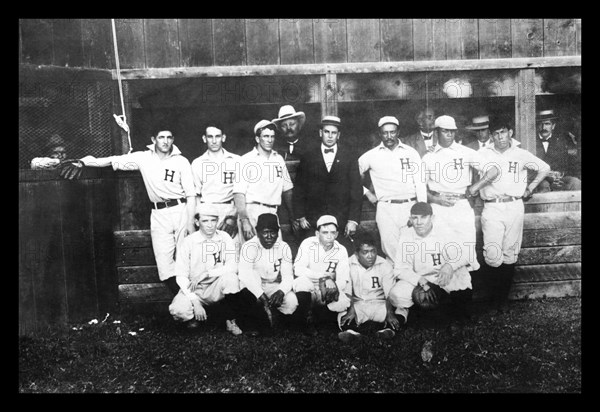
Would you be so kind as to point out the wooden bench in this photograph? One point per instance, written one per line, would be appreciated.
(549, 264)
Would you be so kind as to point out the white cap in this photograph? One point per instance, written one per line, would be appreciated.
(327, 219)
(207, 209)
(388, 119)
(261, 124)
(445, 122)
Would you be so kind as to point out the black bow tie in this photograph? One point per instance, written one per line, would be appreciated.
(328, 150)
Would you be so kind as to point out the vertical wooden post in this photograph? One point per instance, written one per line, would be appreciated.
(525, 128)
(329, 94)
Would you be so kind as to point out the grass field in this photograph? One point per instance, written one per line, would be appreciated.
(534, 348)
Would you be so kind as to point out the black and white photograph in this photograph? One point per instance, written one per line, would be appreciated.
(299, 206)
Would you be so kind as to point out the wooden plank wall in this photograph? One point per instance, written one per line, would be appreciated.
(155, 43)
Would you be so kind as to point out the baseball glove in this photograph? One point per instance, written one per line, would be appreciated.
(229, 225)
(70, 169)
(427, 299)
(329, 290)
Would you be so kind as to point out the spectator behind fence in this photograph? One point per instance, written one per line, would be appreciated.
(55, 152)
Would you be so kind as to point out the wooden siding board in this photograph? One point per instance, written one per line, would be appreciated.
(97, 43)
(262, 41)
(331, 45)
(560, 37)
(364, 40)
(527, 37)
(130, 43)
(229, 42)
(438, 41)
(297, 44)
(470, 38)
(550, 255)
(495, 39)
(578, 36)
(68, 46)
(423, 39)
(37, 41)
(397, 40)
(196, 40)
(162, 43)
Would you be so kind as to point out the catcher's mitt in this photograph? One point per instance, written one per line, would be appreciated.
(229, 225)
(70, 169)
(427, 299)
(329, 290)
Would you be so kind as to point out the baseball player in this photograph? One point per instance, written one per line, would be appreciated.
(371, 279)
(168, 179)
(430, 254)
(266, 274)
(321, 259)
(263, 183)
(503, 211)
(214, 173)
(206, 272)
(448, 170)
(395, 172)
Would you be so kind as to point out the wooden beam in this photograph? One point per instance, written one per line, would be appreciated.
(329, 94)
(60, 74)
(345, 68)
(525, 129)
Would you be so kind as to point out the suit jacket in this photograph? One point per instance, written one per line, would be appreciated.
(416, 142)
(283, 148)
(558, 156)
(337, 192)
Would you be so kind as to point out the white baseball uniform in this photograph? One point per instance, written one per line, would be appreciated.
(424, 256)
(449, 171)
(262, 180)
(503, 211)
(165, 179)
(214, 176)
(206, 270)
(267, 271)
(368, 289)
(311, 263)
(396, 177)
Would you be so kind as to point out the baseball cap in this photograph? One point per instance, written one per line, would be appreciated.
(326, 220)
(261, 124)
(207, 209)
(267, 221)
(333, 120)
(388, 119)
(445, 122)
(421, 209)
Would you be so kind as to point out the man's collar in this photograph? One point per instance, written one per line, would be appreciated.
(174, 151)
(544, 140)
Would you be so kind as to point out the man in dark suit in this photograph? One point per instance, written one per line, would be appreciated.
(423, 140)
(328, 183)
(560, 152)
(289, 142)
(481, 126)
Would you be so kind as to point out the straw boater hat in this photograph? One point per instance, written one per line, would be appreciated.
(288, 112)
(332, 120)
(479, 123)
(546, 115)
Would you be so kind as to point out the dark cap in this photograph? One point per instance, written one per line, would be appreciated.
(421, 209)
(267, 221)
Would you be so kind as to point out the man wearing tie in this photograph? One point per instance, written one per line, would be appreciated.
(423, 140)
(481, 126)
(328, 183)
(289, 144)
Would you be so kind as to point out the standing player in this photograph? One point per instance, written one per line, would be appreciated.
(263, 183)
(503, 211)
(214, 173)
(168, 179)
(371, 279)
(206, 272)
(266, 274)
(395, 171)
(321, 259)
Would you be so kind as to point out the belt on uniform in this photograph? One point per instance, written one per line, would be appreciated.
(397, 200)
(449, 194)
(502, 199)
(263, 204)
(219, 203)
(168, 203)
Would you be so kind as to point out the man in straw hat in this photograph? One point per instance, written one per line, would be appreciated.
(553, 148)
(289, 123)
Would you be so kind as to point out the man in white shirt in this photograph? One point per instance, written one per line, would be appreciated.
(206, 272)
(214, 173)
(320, 256)
(167, 176)
(263, 184)
(395, 172)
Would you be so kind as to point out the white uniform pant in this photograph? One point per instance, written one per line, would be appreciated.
(367, 310)
(401, 293)
(254, 210)
(181, 307)
(390, 217)
(290, 301)
(303, 284)
(460, 219)
(166, 230)
(502, 226)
